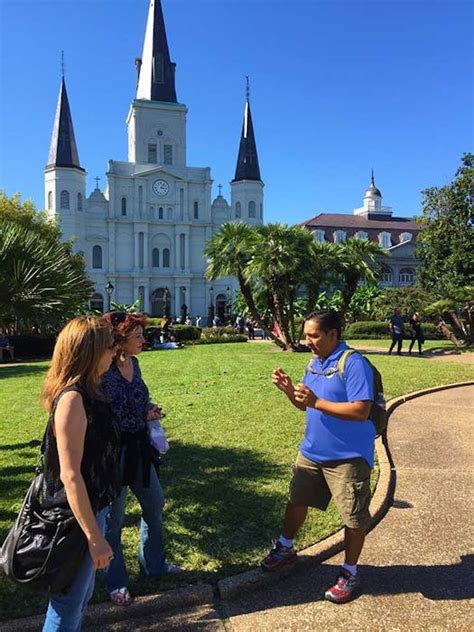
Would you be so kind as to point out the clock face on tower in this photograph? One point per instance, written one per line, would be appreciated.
(160, 188)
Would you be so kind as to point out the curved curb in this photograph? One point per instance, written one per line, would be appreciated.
(201, 594)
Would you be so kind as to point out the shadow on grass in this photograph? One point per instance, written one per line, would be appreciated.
(222, 503)
(34, 443)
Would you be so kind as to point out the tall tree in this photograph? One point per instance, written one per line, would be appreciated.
(446, 243)
(280, 262)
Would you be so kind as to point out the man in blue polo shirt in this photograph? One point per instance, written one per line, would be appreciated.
(337, 452)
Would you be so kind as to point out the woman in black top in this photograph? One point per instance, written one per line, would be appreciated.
(81, 453)
(416, 332)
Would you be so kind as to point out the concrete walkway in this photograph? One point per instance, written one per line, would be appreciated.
(417, 564)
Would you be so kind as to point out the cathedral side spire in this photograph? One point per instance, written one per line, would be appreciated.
(156, 71)
(247, 161)
(63, 149)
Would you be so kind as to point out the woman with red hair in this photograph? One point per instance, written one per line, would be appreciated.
(131, 409)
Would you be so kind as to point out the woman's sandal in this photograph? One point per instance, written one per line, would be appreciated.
(121, 597)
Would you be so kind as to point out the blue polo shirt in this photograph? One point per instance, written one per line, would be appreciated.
(328, 438)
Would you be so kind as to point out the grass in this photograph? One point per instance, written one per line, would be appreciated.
(233, 441)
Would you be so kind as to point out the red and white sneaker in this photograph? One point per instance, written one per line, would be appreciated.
(346, 588)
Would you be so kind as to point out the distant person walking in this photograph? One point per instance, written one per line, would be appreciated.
(250, 329)
(416, 333)
(396, 329)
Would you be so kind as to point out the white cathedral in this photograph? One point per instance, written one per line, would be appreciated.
(143, 237)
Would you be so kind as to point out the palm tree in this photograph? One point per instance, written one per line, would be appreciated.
(228, 253)
(42, 283)
(357, 260)
(280, 262)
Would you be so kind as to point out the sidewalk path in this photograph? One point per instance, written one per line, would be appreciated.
(417, 564)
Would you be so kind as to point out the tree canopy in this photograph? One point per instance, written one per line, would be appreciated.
(446, 243)
(42, 282)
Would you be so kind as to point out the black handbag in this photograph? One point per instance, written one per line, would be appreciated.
(45, 548)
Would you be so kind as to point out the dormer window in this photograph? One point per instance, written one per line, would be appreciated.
(340, 236)
(385, 240)
(319, 236)
(405, 237)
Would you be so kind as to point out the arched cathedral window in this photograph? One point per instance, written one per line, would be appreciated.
(252, 211)
(64, 199)
(97, 257)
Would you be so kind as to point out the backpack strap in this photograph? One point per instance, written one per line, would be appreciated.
(341, 363)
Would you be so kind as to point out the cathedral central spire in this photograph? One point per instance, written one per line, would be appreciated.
(156, 70)
(247, 161)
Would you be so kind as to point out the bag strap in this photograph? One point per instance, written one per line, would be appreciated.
(341, 363)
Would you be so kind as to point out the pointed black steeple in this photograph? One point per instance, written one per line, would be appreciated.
(247, 162)
(63, 148)
(156, 70)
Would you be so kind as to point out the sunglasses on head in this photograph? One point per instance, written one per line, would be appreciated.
(118, 318)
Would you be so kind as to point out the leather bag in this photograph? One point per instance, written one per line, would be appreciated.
(45, 548)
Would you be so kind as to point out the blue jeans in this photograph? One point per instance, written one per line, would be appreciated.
(65, 612)
(151, 554)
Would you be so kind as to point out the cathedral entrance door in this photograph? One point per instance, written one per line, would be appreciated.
(160, 302)
(220, 307)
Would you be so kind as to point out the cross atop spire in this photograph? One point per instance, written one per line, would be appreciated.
(63, 149)
(247, 161)
(156, 70)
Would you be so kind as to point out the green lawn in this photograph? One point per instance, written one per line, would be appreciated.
(233, 440)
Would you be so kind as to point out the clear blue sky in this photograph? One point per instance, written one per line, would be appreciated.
(337, 88)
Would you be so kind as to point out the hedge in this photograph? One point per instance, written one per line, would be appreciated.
(380, 330)
(216, 332)
(218, 340)
(180, 333)
(31, 346)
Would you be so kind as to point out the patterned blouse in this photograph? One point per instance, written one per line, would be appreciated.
(129, 400)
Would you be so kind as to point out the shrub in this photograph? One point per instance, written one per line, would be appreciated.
(30, 346)
(218, 340)
(379, 330)
(184, 333)
(212, 332)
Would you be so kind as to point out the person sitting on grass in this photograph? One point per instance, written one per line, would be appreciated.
(337, 452)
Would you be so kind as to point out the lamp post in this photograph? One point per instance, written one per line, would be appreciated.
(166, 298)
(228, 306)
(210, 313)
(109, 288)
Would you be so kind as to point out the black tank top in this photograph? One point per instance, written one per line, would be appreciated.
(100, 466)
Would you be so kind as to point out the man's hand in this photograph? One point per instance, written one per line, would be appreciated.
(282, 381)
(304, 396)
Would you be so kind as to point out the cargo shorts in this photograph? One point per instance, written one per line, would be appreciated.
(348, 482)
